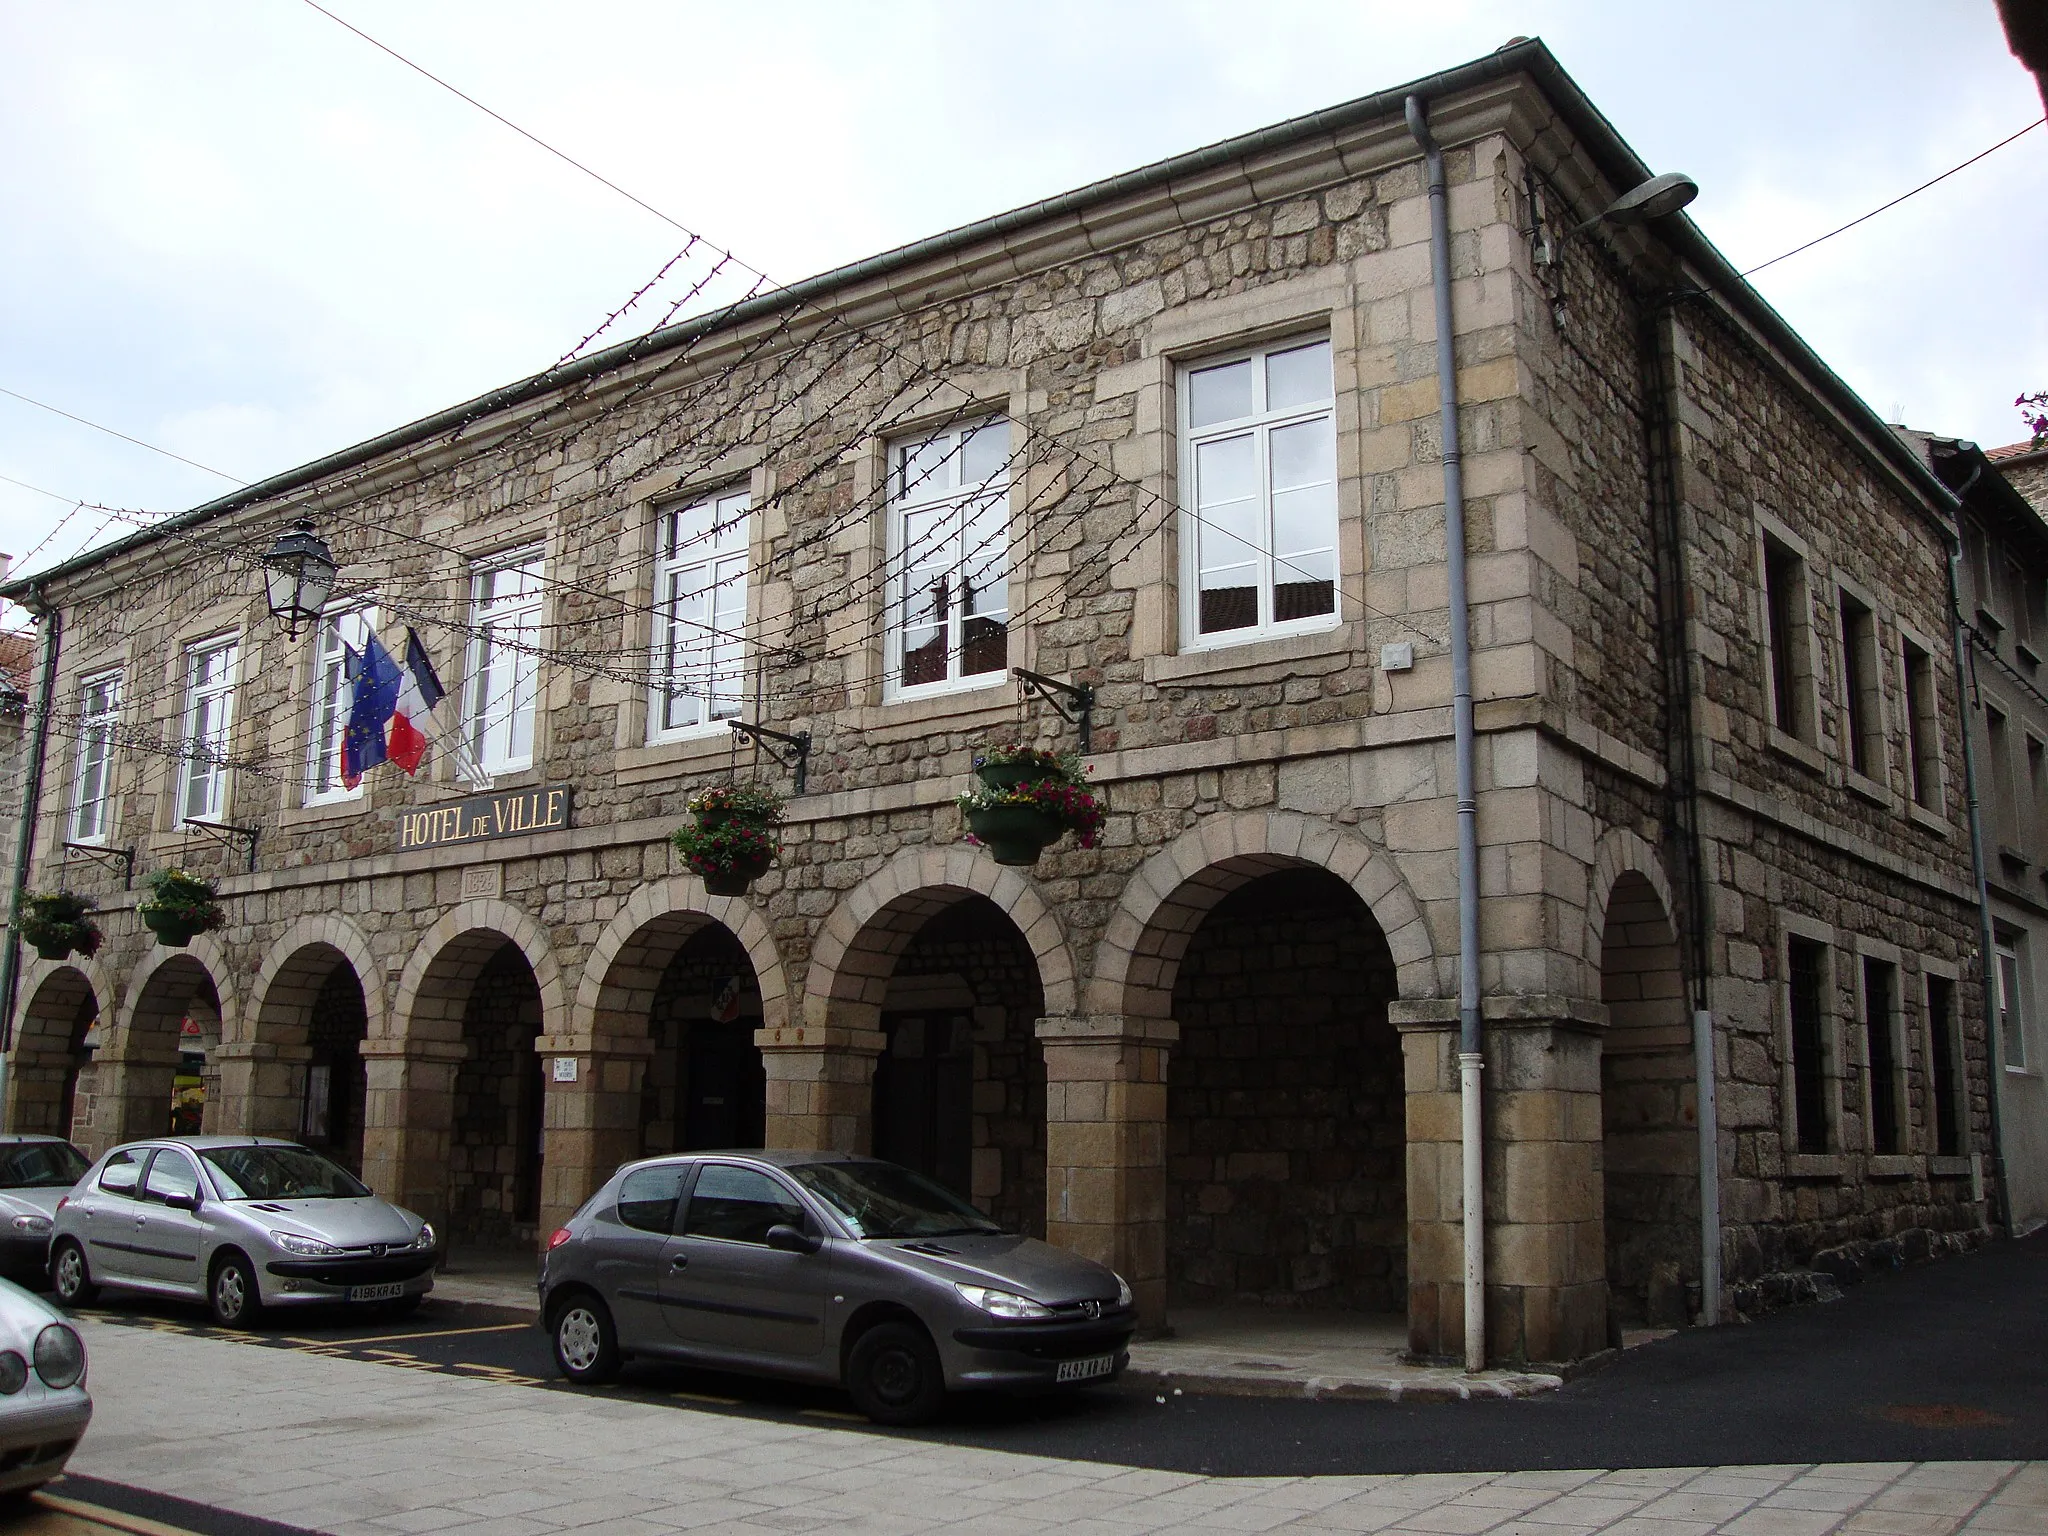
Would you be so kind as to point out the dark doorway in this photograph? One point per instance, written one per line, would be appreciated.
(705, 1086)
(331, 1114)
(924, 1096)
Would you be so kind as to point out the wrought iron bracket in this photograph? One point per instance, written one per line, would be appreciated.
(227, 836)
(101, 854)
(793, 752)
(1061, 696)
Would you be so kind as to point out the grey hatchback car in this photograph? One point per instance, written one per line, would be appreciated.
(241, 1222)
(820, 1266)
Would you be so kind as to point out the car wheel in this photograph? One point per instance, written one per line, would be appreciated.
(894, 1374)
(69, 1277)
(586, 1342)
(232, 1294)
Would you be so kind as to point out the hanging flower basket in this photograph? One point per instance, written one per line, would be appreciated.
(180, 907)
(1016, 818)
(59, 924)
(1006, 766)
(733, 840)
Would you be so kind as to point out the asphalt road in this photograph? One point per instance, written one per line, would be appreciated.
(1945, 1361)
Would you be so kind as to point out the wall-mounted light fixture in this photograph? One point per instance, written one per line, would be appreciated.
(298, 575)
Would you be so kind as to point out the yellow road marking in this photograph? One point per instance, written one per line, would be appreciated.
(400, 1338)
(700, 1397)
(828, 1413)
(96, 1518)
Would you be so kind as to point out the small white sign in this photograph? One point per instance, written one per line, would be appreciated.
(565, 1069)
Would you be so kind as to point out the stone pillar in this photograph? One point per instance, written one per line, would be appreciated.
(590, 1118)
(132, 1097)
(1105, 1146)
(821, 1086)
(409, 1121)
(262, 1088)
(1546, 1276)
(37, 1077)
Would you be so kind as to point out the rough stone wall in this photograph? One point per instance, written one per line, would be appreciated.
(1286, 1117)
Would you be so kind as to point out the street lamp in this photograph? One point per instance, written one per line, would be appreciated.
(1657, 198)
(298, 573)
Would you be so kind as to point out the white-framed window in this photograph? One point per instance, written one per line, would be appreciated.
(504, 670)
(949, 527)
(210, 668)
(92, 791)
(1259, 493)
(700, 617)
(2012, 1025)
(341, 631)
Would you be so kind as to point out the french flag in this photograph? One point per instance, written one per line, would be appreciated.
(419, 690)
(373, 679)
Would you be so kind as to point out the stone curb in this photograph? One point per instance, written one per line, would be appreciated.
(1356, 1389)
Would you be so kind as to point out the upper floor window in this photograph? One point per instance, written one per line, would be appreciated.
(504, 672)
(1861, 683)
(2012, 1030)
(700, 590)
(1923, 728)
(209, 718)
(340, 633)
(1259, 467)
(949, 522)
(1787, 617)
(92, 795)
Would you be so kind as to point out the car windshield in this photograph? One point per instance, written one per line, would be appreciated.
(40, 1165)
(279, 1173)
(883, 1200)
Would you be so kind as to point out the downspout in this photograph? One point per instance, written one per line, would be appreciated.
(1470, 1059)
(1661, 385)
(1987, 944)
(25, 834)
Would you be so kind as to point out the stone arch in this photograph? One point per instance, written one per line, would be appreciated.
(428, 1002)
(137, 1066)
(44, 1062)
(855, 951)
(277, 992)
(264, 1072)
(1619, 853)
(1165, 901)
(1649, 1098)
(626, 963)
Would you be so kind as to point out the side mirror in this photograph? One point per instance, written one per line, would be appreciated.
(784, 1238)
(182, 1202)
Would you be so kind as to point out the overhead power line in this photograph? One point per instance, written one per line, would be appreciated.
(1944, 176)
(138, 442)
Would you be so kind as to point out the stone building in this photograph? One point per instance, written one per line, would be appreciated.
(2003, 591)
(1174, 437)
(17, 652)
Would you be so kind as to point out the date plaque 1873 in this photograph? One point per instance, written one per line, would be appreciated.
(512, 814)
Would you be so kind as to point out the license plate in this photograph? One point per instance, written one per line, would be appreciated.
(1086, 1370)
(388, 1293)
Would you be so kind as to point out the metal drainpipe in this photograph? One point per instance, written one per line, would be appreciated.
(1994, 1057)
(1660, 433)
(25, 835)
(1470, 1058)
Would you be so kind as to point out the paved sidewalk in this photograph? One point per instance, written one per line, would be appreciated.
(1240, 1352)
(368, 1450)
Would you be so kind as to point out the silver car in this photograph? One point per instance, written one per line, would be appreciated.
(35, 1173)
(823, 1267)
(43, 1403)
(240, 1222)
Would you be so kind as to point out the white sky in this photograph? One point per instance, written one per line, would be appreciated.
(239, 232)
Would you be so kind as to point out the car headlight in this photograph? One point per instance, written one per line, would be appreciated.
(13, 1373)
(1002, 1303)
(32, 1225)
(1123, 1291)
(306, 1247)
(60, 1357)
(426, 1236)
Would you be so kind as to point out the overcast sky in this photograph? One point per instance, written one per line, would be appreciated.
(235, 230)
